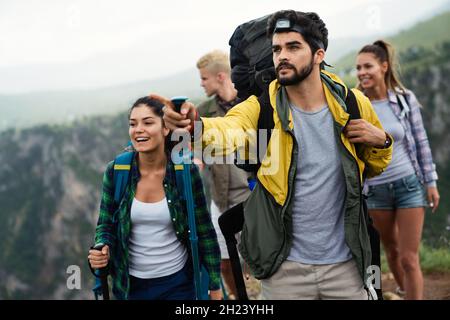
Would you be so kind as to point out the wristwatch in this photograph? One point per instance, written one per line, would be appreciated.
(387, 142)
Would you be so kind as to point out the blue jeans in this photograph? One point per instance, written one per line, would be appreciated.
(407, 192)
(177, 286)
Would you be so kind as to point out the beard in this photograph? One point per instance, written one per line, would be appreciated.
(297, 77)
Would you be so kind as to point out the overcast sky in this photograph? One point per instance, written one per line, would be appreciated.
(172, 34)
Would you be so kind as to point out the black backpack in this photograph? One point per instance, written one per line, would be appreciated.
(252, 71)
(251, 62)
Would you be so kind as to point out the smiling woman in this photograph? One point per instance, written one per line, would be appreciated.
(398, 197)
(146, 127)
(145, 234)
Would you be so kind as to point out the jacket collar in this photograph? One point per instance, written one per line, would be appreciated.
(335, 93)
(392, 96)
(283, 109)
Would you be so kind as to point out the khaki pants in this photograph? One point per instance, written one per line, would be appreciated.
(298, 281)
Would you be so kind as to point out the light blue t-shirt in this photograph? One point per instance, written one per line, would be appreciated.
(319, 192)
(400, 165)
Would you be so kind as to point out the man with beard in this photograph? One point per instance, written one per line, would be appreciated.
(305, 232)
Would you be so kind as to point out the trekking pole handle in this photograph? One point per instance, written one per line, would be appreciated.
(178, 102)
(99, 247)
(102, 274)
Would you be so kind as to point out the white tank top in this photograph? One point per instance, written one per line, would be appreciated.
(153, 247)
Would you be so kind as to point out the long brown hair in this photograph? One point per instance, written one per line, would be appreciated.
(384, 52)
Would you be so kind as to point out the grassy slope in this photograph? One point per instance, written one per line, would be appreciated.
(426, 34)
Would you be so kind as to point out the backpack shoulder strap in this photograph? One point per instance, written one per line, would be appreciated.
(353, 110)
(404, 105)
(179, 179)
(352, 105)
(265, 121)
(122, 167)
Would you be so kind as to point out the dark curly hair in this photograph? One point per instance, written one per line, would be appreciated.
(314, 28)
(153, 104)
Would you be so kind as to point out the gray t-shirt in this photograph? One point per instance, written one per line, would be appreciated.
(319, 192)
(400, 165)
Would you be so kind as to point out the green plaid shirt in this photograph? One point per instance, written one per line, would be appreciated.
(114, 225)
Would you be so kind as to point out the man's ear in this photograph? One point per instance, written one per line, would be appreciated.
(319, 56)
(221, 76)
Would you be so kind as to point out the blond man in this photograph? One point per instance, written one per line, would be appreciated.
(227, 183)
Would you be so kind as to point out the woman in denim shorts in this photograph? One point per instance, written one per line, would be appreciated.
(397, 198)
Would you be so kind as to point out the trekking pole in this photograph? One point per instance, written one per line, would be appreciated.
(183, 173)
(102, 275)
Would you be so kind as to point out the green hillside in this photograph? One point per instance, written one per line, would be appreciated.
(426, 34)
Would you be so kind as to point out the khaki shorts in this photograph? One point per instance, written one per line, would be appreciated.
(298, 281)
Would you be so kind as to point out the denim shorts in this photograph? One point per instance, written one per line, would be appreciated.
(407, 192)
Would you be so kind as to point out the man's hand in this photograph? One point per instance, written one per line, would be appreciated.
(174, 120)
(362, 131)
